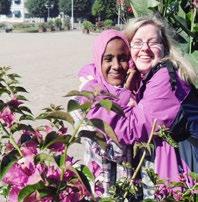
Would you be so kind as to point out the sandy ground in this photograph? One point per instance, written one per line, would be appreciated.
(48, 64)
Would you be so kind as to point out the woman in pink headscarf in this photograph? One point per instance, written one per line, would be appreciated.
(110, 72)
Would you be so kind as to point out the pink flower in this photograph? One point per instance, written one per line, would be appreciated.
(63, 130)
(99, 190)
(9, 147)
(95, 168)
(177, 195)
(29, 148)
(48, 129)
(16, 176)
(57, 147)
(69, 195)
(53, 173)
(38, 135)
(68, 175)
(7, 117)
(13, 195)
(14, 102)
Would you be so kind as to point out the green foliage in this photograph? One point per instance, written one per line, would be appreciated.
(82, 8)
(37, 8)
(58, 24)
(25, 27)
(66, 23)
(42, 27)
(108, 23)
(47, 148)
(65, 6)
(29, 189)
(87, 25)
(104, 9)
(50, 25)
(5, 7)
(165, 134)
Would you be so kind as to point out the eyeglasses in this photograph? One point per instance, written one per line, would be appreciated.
(139, 44)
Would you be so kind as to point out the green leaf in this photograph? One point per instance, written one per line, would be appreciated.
(60, 115)
(53, 138)
(181, 12)
(26, 117)
(20, 126)
(7, 162)
(85, 170)
(21, 97)
(106, 104)
(95, 136)
(193, 59)
(141, 7)
(194, 176)
(107, 199)
(152, 175)
(43, 157)
(42, 116)
(104, 127)
(79, 93)
(29, 189)
(86, 106)
(195, 187)
(3, 90)
(182, 21)
(178, 184)
(72, 105)
(109, 105)
(13, 76)
(20, 89)
(25, 109)
(4, 190)
(83, 178)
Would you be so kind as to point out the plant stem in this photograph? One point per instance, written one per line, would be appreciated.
(76, 129)
(12, 140)
(191, 29)
(144, 153)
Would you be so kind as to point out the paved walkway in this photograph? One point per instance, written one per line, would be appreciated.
(48, 64)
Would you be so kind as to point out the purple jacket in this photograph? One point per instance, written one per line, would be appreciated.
(158, 102)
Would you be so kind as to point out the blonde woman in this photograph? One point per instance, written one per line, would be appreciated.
(166, 82)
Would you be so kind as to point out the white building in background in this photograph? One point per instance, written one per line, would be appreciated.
(18, 12)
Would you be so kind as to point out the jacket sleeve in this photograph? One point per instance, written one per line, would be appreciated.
(158, 102)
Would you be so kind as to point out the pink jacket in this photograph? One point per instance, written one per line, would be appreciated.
(158, 102)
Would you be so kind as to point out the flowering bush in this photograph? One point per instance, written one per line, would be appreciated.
(35, 165)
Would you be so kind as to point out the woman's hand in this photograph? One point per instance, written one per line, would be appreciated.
(132, 80)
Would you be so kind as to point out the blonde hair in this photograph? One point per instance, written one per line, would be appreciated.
(185, 70)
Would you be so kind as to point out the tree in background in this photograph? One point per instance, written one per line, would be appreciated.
(37, 8)
(104, 9)
(65, 6)
(82, 8)
(5, 7)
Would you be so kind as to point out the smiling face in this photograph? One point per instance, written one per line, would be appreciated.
(151, 51)
(115, 62)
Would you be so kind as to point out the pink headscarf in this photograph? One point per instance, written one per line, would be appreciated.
(98, 51)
